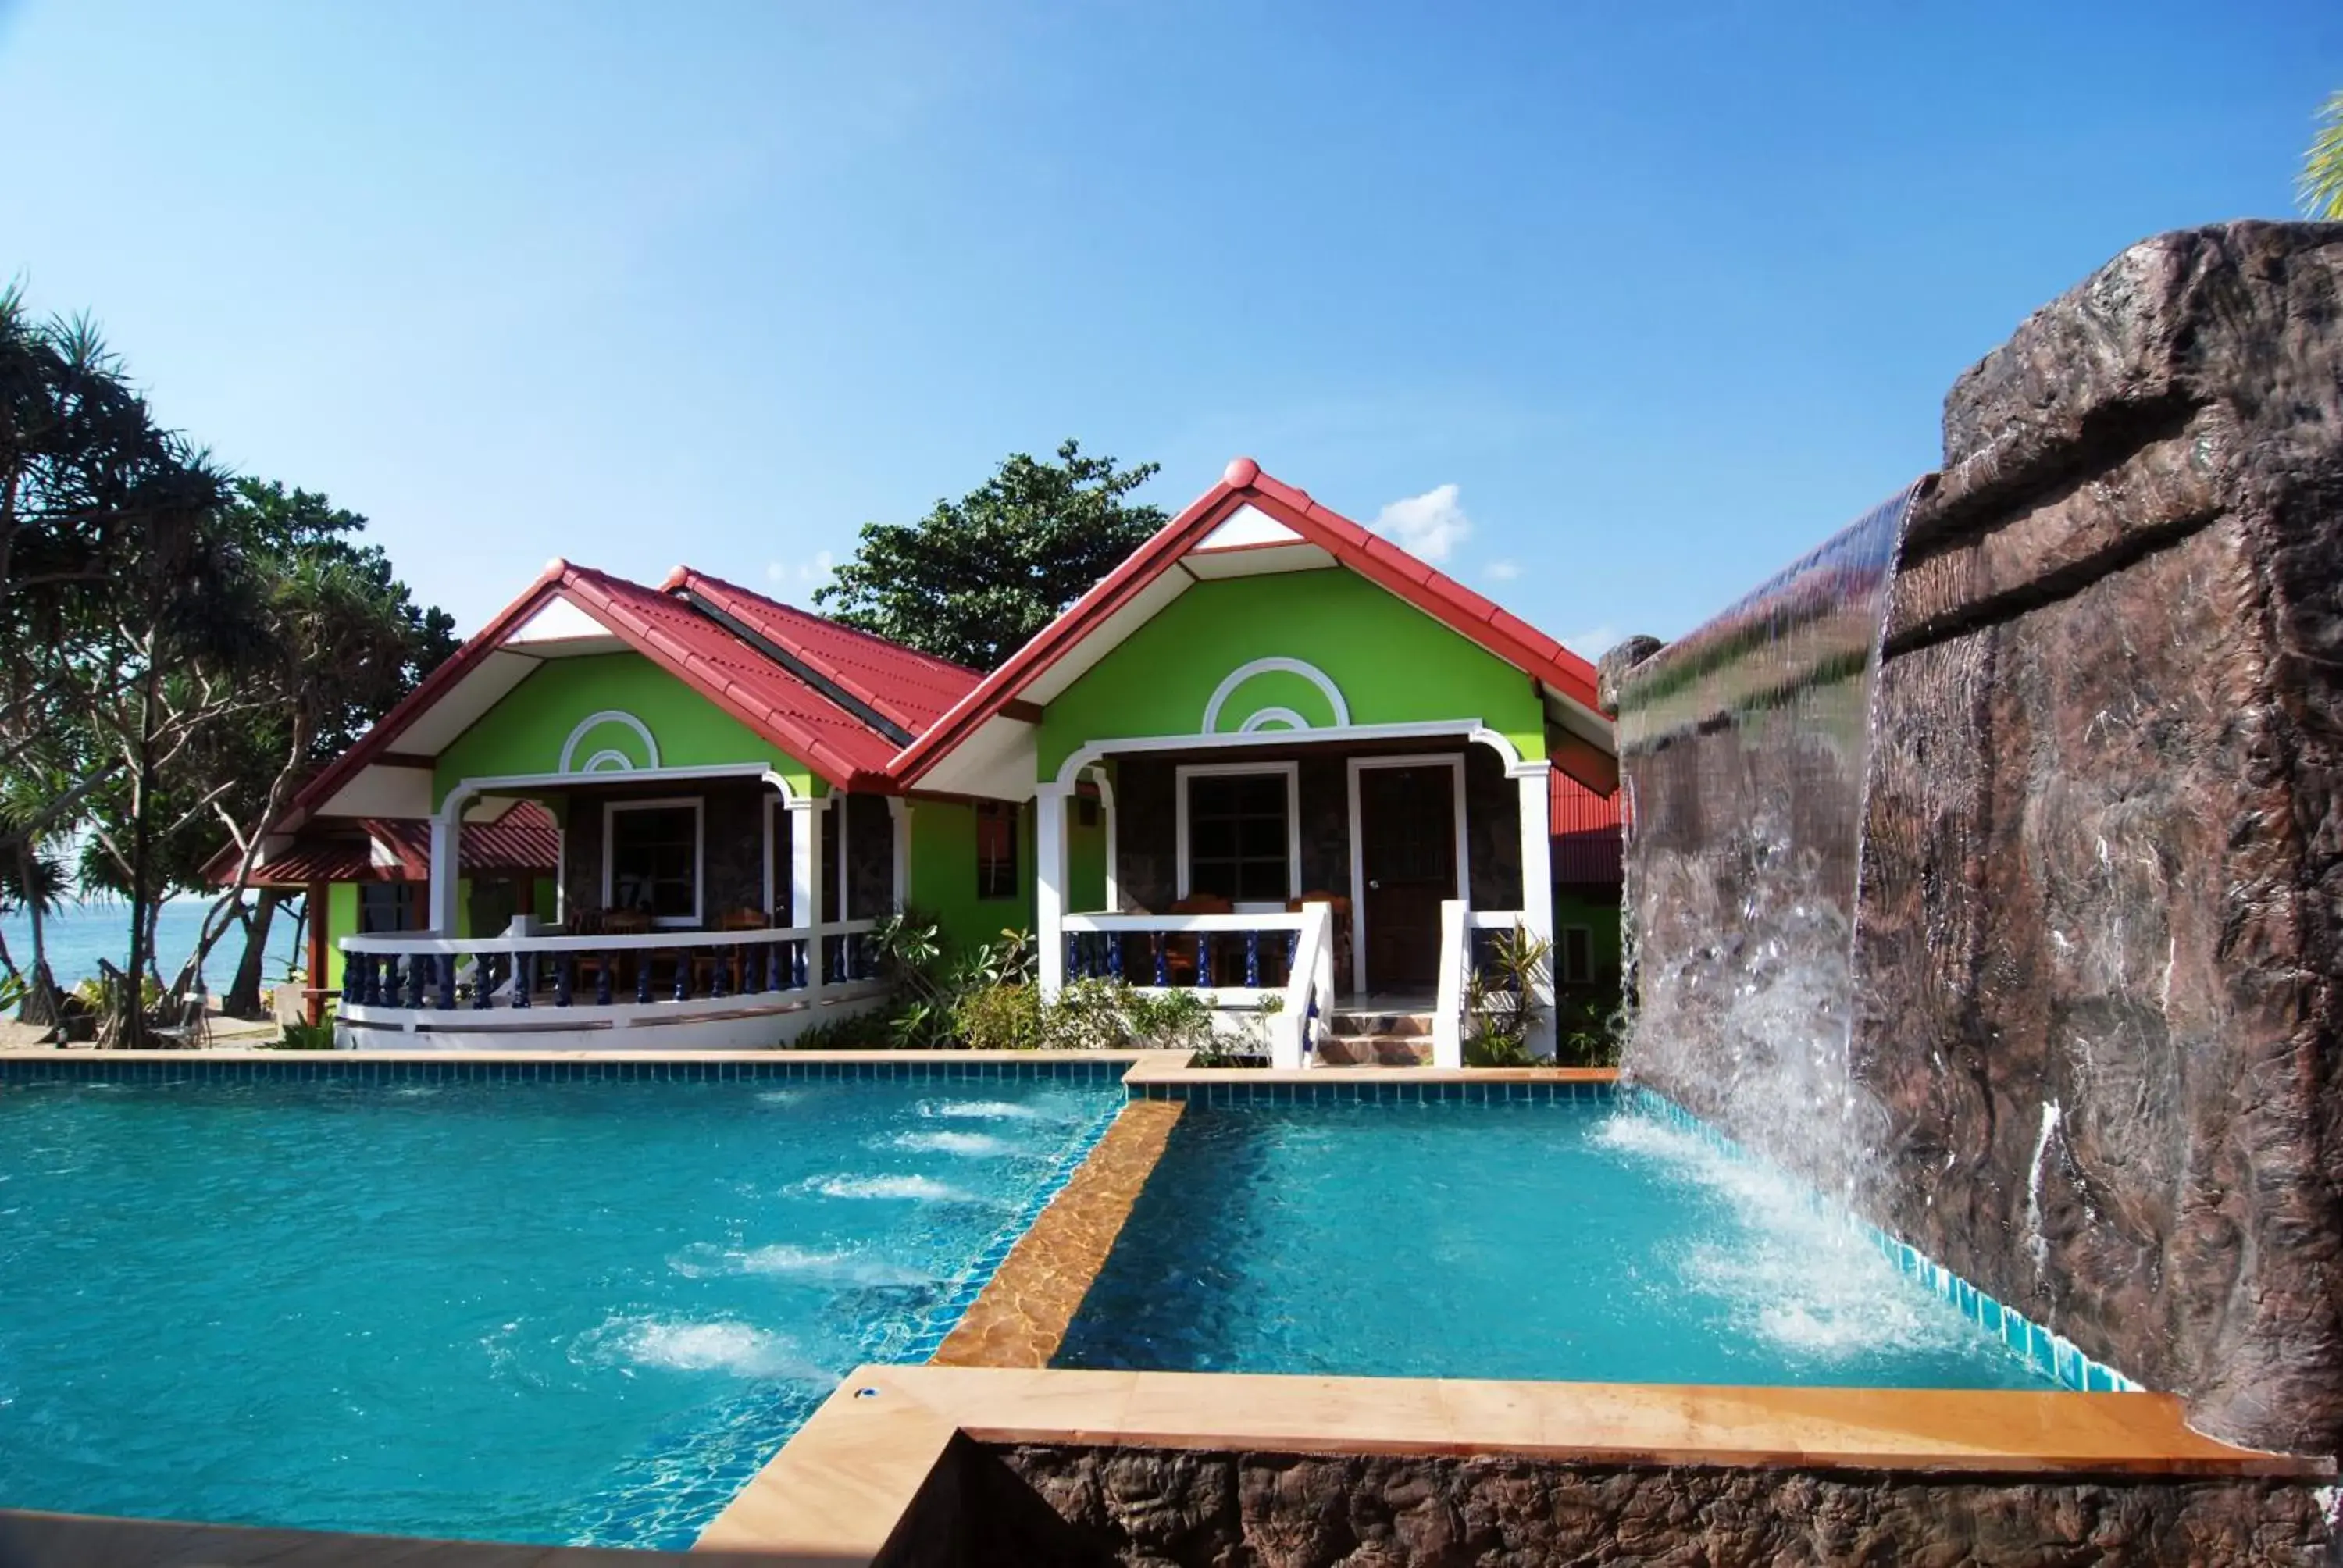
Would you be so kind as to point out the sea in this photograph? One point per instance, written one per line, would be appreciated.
(80, 934)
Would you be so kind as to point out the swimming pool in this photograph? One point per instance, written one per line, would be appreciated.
(1550, 1240)
(504, 1306)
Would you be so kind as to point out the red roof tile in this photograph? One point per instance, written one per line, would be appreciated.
(1370, 555)
(525, 839)
(771, 701)
(800, 720)
(913, 690)
(1585, 826)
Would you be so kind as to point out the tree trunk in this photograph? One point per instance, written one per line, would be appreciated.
(132, 1034)
(40, 1004)
(244, 992)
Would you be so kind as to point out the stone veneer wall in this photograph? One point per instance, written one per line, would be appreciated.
(1056, 1506)
(2100, 984)
(2098, 979)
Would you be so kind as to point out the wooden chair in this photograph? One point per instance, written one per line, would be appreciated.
(1342, 905)
(705, 959)
(610, 923)
(1180, 959)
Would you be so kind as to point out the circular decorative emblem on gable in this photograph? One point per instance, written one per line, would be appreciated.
(1275, 694)
(613, 741)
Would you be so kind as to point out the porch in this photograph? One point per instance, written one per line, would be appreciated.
(1181, 864)
(694, 909)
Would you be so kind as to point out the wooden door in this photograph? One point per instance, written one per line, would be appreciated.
(1407, 860)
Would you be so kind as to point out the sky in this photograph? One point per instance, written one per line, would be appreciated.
(1609, 309)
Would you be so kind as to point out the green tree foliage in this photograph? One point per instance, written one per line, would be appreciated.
(2321, 187)
(976, 578)
(183, 644)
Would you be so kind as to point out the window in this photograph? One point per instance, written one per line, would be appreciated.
(1240, 835)
(996, 852)
(386, 907)
(1577, 956)
(651, 858)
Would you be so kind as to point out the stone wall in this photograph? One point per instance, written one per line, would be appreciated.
(2097, 978)
(1054, 1506)
(2099, 975)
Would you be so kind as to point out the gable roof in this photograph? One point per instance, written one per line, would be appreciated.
(793, 712)
(1294, 520)
(910, 689)
(525, 838)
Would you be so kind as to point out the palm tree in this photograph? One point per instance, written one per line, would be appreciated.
(2320, 190)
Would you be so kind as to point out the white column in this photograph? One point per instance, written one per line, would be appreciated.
(447, 841)
(1106, 805)
(1537, 886)
(1049, 883)
(898, 811)
(805, 881)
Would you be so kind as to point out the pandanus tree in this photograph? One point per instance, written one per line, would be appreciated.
(2321, 185)
(184, 645)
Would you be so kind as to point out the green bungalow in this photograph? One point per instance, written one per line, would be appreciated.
(1271, 755)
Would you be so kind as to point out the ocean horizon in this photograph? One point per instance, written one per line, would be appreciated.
(85, 931)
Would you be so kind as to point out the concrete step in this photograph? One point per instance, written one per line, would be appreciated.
(1355, 1021)
(1375, 1050)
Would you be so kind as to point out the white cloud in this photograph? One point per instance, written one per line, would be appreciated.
(1428, 526)
(795, 581)
(1504, 571)
(1593, 644)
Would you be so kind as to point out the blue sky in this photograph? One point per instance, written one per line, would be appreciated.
(1666, 293)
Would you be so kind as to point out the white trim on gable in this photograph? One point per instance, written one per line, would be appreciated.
(1247, 526)
(1279, 665)
(593, 721)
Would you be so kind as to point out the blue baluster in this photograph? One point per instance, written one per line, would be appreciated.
(564, 972)
(1204, 960)
(602, 968)
(353, 980)
(1162, 965)
(769, 965)
(484, 981)
(524, 977)
(446, 963)
(643, 976)
(723, 957)
(682, 975)
(394, 983)
(1253, 959)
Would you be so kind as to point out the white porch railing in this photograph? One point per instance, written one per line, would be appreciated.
(469, 981)
(1287, 956)
(1459, 923)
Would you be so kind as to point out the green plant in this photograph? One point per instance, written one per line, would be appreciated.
(300, 1036)
(873, 1029)
(1006, 1017)
(1500, 999)
(1172, 1021)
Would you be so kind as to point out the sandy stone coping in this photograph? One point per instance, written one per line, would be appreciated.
(348, 1058)
(87, 1541)
(1172, 1067)
(1023, 1314)
(837, 1490)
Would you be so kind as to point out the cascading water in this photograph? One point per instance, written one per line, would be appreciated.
(1746, 748)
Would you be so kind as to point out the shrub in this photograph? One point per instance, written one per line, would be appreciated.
(300, 1036)
(1000, 1018)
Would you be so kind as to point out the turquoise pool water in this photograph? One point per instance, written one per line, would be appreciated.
(527, 1311)
(1540, 1241)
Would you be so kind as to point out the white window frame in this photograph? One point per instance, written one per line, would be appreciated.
(699, 804)
(1291, 773)
(1561, 951)
(1454, 762)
